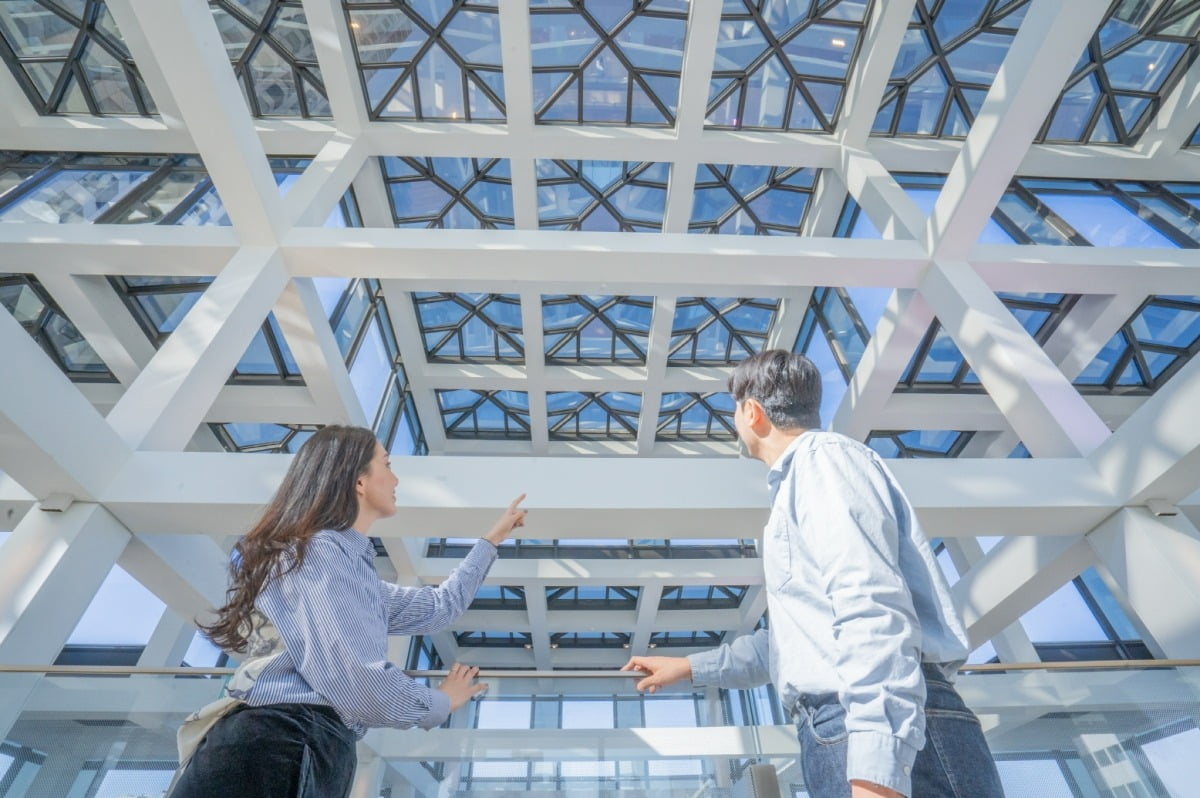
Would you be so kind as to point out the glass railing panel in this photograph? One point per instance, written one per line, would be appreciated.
(1054, 732)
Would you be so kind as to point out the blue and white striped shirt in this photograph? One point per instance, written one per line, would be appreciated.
(334, 614)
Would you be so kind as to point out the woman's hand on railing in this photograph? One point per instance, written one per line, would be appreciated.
(663, 671)
(459, 685)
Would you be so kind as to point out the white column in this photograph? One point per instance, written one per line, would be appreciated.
(1156, 562)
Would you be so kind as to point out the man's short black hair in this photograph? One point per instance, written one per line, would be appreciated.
(786, 384)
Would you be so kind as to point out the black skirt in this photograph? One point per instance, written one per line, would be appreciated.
(272, 751)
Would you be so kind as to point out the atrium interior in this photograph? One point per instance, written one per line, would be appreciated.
(526, 241)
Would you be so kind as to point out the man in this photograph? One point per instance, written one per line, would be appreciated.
(863, 639)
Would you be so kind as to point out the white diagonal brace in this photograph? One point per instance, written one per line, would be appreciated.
(539, 626)
(187, 48)
(1035, 397)
(1176, 118)
(905, 320)
(306, 329)
(1156, 453)
(316, 193)
(98, 313)
(51, 439)
(1012, 644)
(1026, 86)
(171, 397)
(188, 573)
(649, 598)
(1156, 562)
(1015, 577)
(331, 40)
(881, 198)
(412, 353)
(869, 75)
(1094, 320)
(135, 39)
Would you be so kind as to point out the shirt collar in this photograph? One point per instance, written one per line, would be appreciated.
(782, 465)
(354, 542)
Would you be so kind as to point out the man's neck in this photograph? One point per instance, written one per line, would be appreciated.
(776, 443)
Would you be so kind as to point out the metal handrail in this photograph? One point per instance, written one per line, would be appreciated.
(992, 667)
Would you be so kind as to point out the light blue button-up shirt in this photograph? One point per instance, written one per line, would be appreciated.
(857, 601)
(334, 615)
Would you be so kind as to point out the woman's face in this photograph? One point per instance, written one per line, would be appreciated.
(377, 487)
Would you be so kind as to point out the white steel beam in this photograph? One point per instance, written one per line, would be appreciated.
(657, 373)
(314, 196)
(1156, 562)
(188, 51)
(1040, 403)
(98, 313)
(186, 572)
(1026, 86)
(1015, 577)
(117, 249)
(518, 107)
(412, 351)
(334, 47)
(306, 329)
(173, 394)
(704, 23)
(139, 47)
(871, 69)
(210, 493)
(532, 334)
(51, 439)
(599, 263)
(1156, 453)
(1012, 644)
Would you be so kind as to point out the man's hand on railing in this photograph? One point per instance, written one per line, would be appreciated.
(663, 671)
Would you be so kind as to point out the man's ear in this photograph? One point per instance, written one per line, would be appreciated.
(756, 416)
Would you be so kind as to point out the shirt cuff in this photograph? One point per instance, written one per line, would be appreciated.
(483, 553)
(880, 759)
(705, 667)
(439, 710)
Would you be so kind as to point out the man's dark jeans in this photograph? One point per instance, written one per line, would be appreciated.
(955, 762)
(273, 751)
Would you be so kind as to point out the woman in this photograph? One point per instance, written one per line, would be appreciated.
(311, 619)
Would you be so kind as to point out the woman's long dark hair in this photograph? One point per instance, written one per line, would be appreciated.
(318, 492)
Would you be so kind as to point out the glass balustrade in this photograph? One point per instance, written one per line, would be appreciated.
(1075, 731)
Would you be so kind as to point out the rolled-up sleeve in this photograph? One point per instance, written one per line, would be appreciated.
(739, 665)
(851, 531)
(333, 634)
(420, 610)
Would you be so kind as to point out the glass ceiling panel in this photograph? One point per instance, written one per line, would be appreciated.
(591, 597)
(601, 196)
(590, 639)
(696, 417)
(78, 188)
(1149, 348)
(919, 443)
(259, 438)
(70, 58)
(946, 64)
(593, 416)
(719, 331)
(485, 414)
(273, 57)
(783, 66)
(1133, 61)
(464, 193)
(596, 329)
(363, 329)
(751, 200)
(605, 62)
(29, 303)
(938, 364)
(702, 597)
(470, 327)
(429, 59)
(160, 303)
